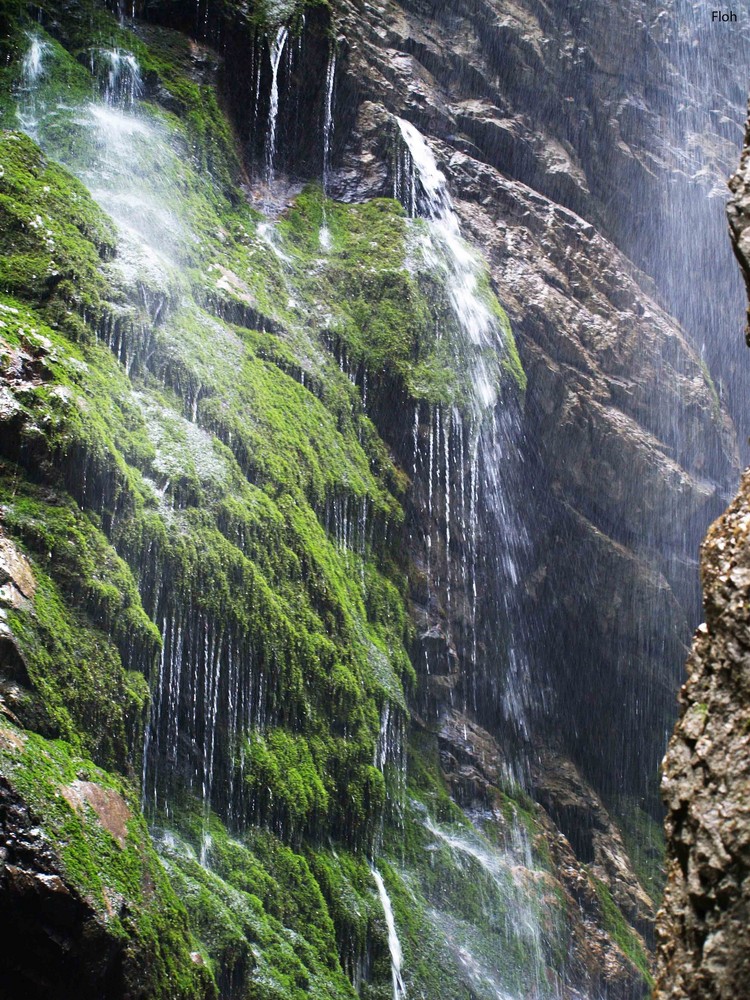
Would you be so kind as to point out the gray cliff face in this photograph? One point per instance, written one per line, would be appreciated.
(738, 214)
(704, 927)
(574, 139)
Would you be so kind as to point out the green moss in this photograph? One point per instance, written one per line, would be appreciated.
(621, 932)
(646, 846)
(84, 619)
(52, 236)
(258, 909)
(283, 777)
(270, 459)
(388, 306)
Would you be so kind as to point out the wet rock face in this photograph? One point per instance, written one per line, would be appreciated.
(557, 129)
(567, 810)
(576, 139)
(704, 927)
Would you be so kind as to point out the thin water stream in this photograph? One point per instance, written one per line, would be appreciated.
(394, 945)
(276, 51)
(328, 126)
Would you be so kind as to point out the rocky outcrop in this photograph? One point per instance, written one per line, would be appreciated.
(704, 926)
(61, 949)
(84, 909)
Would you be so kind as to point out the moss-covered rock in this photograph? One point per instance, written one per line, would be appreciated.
(87, 907)
(159, 457)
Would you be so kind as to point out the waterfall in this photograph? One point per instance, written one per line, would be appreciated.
(211, 687)
(394, 945)
(276, 51)
(325, 235)
(32, 72)
(123, 80)
(328, 118)
(513, 897)
(205, 688)
(471, 311)
(484, 438)
(32, 64)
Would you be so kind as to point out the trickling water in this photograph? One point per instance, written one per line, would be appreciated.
(204, 674)
(275, 53)
(390, 756)
(123, 84)
(32, 73)
(325, 235)
(521, 954)
(394, 945)
(448, 249)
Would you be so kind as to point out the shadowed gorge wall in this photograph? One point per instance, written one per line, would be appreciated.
(704, 949)
(353, 463)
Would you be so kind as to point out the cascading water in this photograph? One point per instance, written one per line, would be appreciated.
(208, 693)
(32, 73)
(705, 118)
(470, 455)
(197, 674)
(512, 896)
(394, 945)
(328, 121)
(123, 83)
(276, 50)
(32, 64)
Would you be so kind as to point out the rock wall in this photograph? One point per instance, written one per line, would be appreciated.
(704, 926)
(576, 142)
(577, 139)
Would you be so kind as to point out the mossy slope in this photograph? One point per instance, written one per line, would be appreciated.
(245, 491)
(92, 840)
